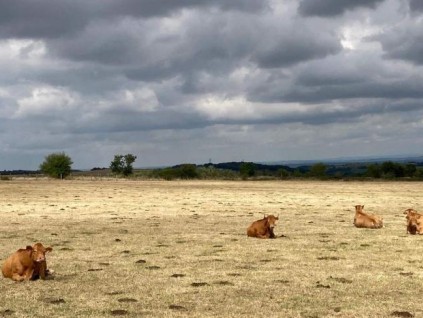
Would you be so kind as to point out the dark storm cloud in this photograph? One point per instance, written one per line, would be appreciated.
(327, 8)
(416, 5)
(300, 45)
(53, 19)
(404, 42)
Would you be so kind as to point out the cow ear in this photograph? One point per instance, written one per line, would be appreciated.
(29, 247)
(362, 206)
(49, 249)
(264, 216)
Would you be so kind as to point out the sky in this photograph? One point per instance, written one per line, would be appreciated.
(193, 81)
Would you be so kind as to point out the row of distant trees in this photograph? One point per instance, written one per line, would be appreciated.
(58, 165)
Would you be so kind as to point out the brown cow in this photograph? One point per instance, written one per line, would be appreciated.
(370, 221)
(414, 222)
(26, 264)
(263, 228)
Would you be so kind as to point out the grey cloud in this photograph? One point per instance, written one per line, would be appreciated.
(55, 19)
(328, 8)
(297, 46)
(404, 43)
(318, 94)
(41, 19)
(149, 75)
(416, 5)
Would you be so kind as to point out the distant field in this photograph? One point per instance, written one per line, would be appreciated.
(178, 249)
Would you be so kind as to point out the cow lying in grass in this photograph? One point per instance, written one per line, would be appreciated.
(26, 264)
(365, 220)
(414, 222)
(263, 228)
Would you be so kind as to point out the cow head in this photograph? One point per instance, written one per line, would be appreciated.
(359, 208)
(39, 252)
(410, 213)
(414, 221)
(271, 221)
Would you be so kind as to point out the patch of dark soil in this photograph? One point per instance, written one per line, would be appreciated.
(66, 249)
(337, 309)
(224, 283)
(406, 274)
(328, 258)
(118, 240)
(127, 300)
(95, 269)
(126, 252)
(178, 275)
(234, 274)
(404, 314)
(118, 312)
(200, 284)
(282, 281)
(55, 301)
(320, 285)
(104, 264)
(113, 293)
(141, 261)
(341, 280)
(177, 307)
(265, 260)
(6, 312)
(154, 267)
(365, 245)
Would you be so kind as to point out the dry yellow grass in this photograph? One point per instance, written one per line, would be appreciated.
(178, 249)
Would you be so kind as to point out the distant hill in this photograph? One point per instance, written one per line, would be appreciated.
(235, 166)
(417, 159)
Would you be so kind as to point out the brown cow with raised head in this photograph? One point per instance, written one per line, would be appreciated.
(365, 220)
(263, 228)
(26, 264)
(414, 221)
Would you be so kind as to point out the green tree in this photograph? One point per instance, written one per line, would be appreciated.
(57, 165)
(282, 173)
(374, 171)
(392, 170)
(410, 170)
(247, 169)
(318, 170)
(122, 164)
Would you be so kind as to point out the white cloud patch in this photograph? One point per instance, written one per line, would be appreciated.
(46, 101)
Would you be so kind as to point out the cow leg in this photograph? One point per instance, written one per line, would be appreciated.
(17, 277)
(29, 273)
(263, 236)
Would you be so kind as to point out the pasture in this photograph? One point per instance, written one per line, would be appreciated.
(179, 249)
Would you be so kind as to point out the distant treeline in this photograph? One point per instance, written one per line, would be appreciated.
(388, 170)
(250, 170)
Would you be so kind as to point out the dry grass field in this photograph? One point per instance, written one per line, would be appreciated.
(179, 249)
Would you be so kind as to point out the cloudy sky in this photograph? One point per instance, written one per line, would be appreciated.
(175, 81)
